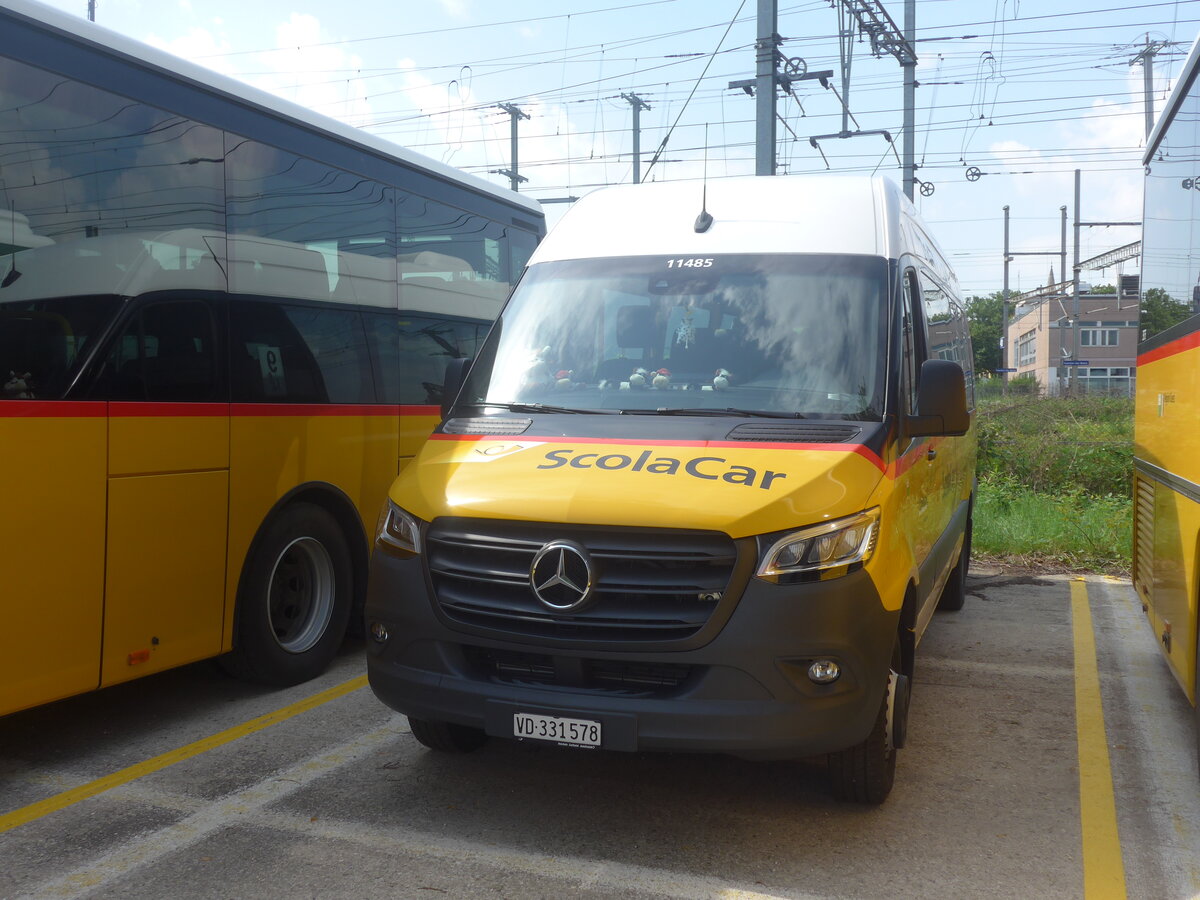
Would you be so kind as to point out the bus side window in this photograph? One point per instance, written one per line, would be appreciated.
(337, 344)
(426, 345)
(167, 353)
(268, 359)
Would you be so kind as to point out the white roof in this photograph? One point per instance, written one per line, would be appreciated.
(175, 66)
(780, 214)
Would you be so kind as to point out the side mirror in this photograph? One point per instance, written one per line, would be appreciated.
(456, 373)
(941, 401)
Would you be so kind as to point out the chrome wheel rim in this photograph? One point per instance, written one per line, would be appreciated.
(303, 588)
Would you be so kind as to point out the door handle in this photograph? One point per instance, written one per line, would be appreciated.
(931, 453)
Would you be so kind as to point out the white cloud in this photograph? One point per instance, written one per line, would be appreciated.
(456, 9)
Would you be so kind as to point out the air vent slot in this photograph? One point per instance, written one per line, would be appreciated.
(795, 433)
(486, 425)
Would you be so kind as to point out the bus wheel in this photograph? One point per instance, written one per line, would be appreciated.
(293, 600)
(954, 594)
(1196, 695)
(447, 736)
(866, 772)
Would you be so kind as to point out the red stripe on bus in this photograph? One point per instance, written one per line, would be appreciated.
(53, 409)
(332, 409)
(139, 409)
(1181, 345)
(133, 409)
(862, 450)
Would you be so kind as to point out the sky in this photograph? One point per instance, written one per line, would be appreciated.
(1018, 92)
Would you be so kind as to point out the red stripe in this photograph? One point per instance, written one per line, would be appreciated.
(863, 451)
(1180, 345)
(329, 409)
(74, 409)
(53, 409)
(142, 410)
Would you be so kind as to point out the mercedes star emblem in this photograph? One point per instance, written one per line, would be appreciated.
(561, 576)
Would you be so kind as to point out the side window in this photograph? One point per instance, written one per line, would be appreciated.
(411, 353)
(383, 337)
(947, 330)
(427, 344)
(914, 339)
(269, 362)
(335, 340)
(167, 353)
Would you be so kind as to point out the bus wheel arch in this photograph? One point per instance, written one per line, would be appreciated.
(295, 594)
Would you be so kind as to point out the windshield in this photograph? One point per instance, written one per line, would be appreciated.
(767, 334)
(42, 341)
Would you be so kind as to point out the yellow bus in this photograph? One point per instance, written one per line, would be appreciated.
(1166, 557)
(224, 324)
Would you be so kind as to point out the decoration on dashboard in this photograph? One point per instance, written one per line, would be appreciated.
(662, 378)
(562, 379)
(685, 334)
(639, 378)
(721, 379)
(17, 386)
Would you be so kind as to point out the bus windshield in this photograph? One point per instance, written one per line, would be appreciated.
(43, 341)
(772, 334)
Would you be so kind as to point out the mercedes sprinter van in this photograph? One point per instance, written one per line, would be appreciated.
(702, 489)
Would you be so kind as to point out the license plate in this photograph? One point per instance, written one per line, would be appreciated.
(572, 732)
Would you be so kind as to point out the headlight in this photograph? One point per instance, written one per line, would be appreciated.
(820, 551)
(397, 531)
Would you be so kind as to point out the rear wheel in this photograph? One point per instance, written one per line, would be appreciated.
(1196, 695)
(293, 600)
(954, 594)
(866, 772)
(447, 736)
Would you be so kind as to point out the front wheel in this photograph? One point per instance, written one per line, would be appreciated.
(447, 736)
(866, 772)
(293, 600)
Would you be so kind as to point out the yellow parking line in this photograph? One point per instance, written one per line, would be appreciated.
(1103, 870)
(138, 770)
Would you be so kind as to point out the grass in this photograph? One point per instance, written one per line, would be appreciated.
(1076, 532)
(1055, 476)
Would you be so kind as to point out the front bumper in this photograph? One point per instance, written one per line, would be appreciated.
(744, 692)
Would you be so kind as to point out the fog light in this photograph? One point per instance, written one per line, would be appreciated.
(824, 671)
(379, 632)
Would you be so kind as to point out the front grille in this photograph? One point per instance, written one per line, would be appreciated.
(651, 584)
(602, 675)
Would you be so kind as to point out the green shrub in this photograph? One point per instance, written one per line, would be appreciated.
(1055, 477)
(1059, 445)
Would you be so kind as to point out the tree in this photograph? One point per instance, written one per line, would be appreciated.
(984, 314)
(1160, 312)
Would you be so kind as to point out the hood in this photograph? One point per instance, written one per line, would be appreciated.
(736, 487)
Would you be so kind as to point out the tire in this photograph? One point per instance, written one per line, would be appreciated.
(293, 600)
(446, 736)
(1196, 695)
(866, 772)
(954, 594)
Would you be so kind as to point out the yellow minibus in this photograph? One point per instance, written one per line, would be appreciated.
(702, 489)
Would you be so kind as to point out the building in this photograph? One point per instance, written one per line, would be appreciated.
(1099, 350)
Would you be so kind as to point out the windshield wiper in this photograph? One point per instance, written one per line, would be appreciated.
(538, 408)
(707, 411)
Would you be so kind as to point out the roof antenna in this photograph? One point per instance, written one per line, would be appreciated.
(704, 220)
